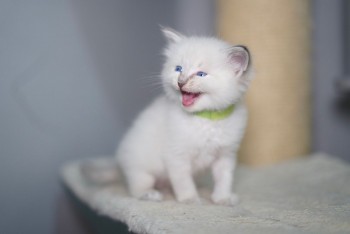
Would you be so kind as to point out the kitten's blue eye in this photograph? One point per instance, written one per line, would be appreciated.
(178, 68)
(201, 74)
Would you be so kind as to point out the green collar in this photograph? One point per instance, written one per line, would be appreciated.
(216, 115)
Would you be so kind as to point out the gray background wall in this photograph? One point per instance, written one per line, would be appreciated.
(331, 114)
(73, 74)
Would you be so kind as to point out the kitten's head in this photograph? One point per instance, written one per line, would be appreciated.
(202, 73)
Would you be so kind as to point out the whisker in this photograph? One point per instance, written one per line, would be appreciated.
(153, 86)
(153, 82)
(149, 79)
(150, 76)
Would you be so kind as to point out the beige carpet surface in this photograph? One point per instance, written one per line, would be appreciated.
(309, 195)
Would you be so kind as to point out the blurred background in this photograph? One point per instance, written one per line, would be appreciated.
(74, 74)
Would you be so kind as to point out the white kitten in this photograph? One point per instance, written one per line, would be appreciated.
(197, 124)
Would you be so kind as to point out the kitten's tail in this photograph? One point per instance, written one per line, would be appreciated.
(100, 171)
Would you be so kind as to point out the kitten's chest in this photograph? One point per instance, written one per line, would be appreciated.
(207, 141)
(191, 132)
(210, 134)
(205, 134)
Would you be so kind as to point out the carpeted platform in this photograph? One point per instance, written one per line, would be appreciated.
(310, 195)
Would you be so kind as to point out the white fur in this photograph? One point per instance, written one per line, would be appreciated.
(168, 143)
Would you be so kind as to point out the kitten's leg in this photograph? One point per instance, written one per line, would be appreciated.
(222, 170)
(141, 185)
(182, 182)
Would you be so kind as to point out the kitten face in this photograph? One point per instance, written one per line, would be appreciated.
(204, 73)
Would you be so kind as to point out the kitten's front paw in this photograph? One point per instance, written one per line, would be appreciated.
(152, 195)
(230, 200)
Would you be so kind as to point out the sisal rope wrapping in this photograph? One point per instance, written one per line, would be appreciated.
(277, 32)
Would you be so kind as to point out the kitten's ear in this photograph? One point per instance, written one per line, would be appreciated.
(240, 57)
(171, 35)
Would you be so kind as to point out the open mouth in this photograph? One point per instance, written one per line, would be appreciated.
(189, 98)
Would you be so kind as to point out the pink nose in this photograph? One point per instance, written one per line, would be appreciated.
(180, 84)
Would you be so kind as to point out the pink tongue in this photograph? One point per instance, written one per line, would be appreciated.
(188, 98)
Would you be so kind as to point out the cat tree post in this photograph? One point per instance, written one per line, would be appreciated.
(278, 35)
